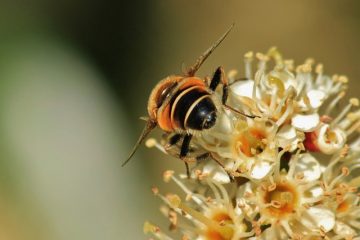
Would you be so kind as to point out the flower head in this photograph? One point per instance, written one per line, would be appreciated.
(207, 217)
(289, 172)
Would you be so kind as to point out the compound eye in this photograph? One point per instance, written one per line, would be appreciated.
(209, 120)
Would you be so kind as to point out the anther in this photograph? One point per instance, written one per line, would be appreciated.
(343, 79)
(319, 68)
(299, 176)
(150, 143)
(155, 190)
(322, 231)
(289, 64)
(345, 171)
(167, 175)
(249, 55)
(174, 200)
(272, 187)
(150, 228)
(354, 102)
(310, 61)
(262, 57)
(275, 204)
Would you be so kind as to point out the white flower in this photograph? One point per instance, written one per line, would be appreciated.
(213, 215)
(289, 172)
(248, 149)
(340, 195)
(288, 201)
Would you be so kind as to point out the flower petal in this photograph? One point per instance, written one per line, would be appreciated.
(216, 172)
(343, 229)
(316, 98)
(309, 166)
(305, 123)
(287, 136)
(316, 191)
(316, 217)
(244, 88)
(330, 141)
(260, 170)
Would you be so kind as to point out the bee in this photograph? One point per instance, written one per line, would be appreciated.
(182, 104)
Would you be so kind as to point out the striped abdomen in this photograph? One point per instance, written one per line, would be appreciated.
(190, 107)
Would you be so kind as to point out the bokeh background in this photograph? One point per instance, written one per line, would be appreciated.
(75, 77)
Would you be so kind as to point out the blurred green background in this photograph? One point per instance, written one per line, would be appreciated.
(75, 77)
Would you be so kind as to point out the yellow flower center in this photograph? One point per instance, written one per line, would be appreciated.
(343, 207)
(331, 136)
(283, 199)
(222, 218)
(250, 142)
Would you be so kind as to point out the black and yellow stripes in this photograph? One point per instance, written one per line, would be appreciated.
(184, 103)
(189, 107)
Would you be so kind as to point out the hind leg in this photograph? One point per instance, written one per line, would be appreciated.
(185, 147)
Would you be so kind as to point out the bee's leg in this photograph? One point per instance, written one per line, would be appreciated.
(202, 157)
(218, 77)
(224, 82)
(184, 151)
(231, 177)
(209, 155)
(173, 140)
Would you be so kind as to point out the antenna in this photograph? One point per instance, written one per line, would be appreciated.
(192, 70)
(150, 125)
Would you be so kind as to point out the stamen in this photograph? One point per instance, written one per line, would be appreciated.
(155, 190)
(196, 198)
(276, 204)
(231, 76)
(310, 61)
(355, 182)
(334, 102)
(152, 142)
(292, 164)
(215, 191)
(328, 171)
(353, 128)
(289, 94)
(322, 231)
(248, 58)
(262, 61)
(225, 231)
(285, 115)
(276, 55)
(168, 175)
(344, 172)
(352, 102)
(343, 79)
(289, 64)
(274, 98)
(258, 76)
(256, 228)
(223, 191)
(149, 228)
(287, 227)
(319, 70)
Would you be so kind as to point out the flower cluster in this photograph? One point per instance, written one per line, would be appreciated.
(289, 172)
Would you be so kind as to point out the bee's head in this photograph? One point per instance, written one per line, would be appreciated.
(202, 116)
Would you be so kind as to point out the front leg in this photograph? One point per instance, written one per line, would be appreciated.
(219, 76)
(185, 147)
(173, 140)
